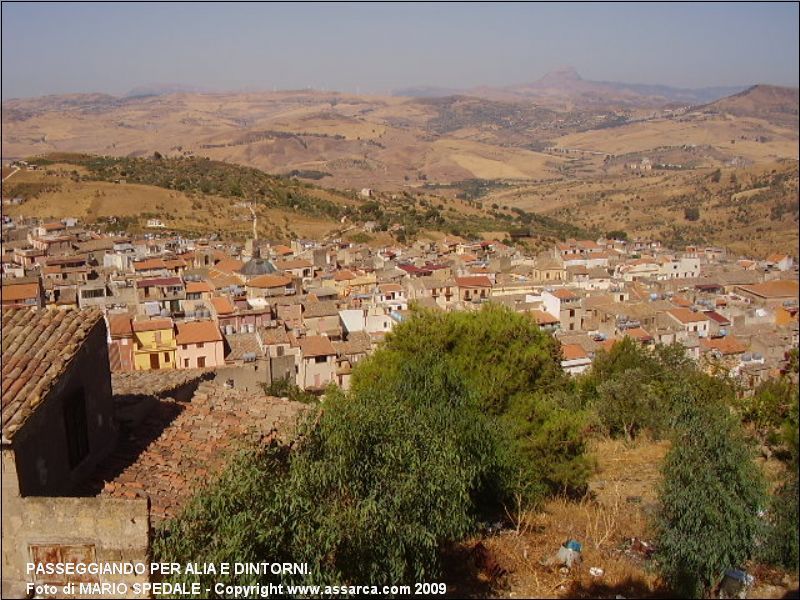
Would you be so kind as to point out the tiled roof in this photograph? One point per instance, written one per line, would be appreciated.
(320, 309)
(316, 345)
(37, 347)
(344, 275)
(282, 250)
(779, 288)
(269, 281)
(543, 318)
(195, 287)
(476, 281)
(152, 325)
(223, 305)
(149, 264)
(573, 352)
(159, 282)
(229, 265)
(684, 315)
(180, 446)
(564, 294)
(726, 345)
(274, 335)
(120, 325)
(19, 291)
(194, 332)
(297, 263)
(241, 344)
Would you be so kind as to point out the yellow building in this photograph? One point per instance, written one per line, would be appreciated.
(154, 345)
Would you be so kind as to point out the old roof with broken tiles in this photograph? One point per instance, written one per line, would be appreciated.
(181, 445)
(37, 347)
(155, 383)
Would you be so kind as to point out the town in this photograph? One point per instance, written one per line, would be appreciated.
(117, 333)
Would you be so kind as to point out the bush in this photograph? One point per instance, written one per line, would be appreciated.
(457, 416)
(691, 213)
(286, 388)
(380, 480)
(710, 498)
(634, 390)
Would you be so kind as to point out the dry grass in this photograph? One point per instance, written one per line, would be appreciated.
(622, 498)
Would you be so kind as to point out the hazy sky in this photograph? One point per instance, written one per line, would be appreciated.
(66, 47)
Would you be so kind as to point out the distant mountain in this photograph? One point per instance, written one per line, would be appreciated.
(778, 105)
(565, 87)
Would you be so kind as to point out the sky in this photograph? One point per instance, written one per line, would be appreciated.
(372, 48)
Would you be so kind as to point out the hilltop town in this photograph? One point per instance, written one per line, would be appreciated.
(260, 312)
(165, 351)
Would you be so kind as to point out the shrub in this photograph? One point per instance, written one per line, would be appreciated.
(710, 498)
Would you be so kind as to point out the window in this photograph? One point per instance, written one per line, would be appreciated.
(571, 312)
(201, 362)
(185, 363)
(166, 356)
(157, 335)
(76, 427)
(320, 359)
(200, 344)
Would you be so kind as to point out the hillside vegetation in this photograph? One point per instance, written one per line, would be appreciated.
(206, 195)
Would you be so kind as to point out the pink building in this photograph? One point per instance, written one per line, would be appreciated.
(199, 345)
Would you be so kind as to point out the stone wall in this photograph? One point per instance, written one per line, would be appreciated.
(98, 529)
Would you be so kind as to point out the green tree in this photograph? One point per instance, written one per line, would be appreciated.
(710, 498)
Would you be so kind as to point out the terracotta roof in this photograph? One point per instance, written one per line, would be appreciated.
(543, 318)
(274, 335)
(120, 325)
(223, 305)
(194, 287)
(776, 258)
(242, 344)
(229, 265)
(159, 282)
(19, 291)
(269, 281)
(779, 288)
(390, 287)
(282, 250)
(297, 263)
(179, 446)
(152, 325)
(316, 345)
(476, 281)
(684, 315)
(149, 264)
(679, 300)
(715, 316)
(564, 294)
(638, 333)
(573, 352)
(344, 275)
(37, 347)
(194, 332)
(726, 345)
(320, 309)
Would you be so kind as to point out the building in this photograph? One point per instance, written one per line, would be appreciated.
(58, 425)
(22, 295)
(317, 363)
(155, 346)
(199, 345)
